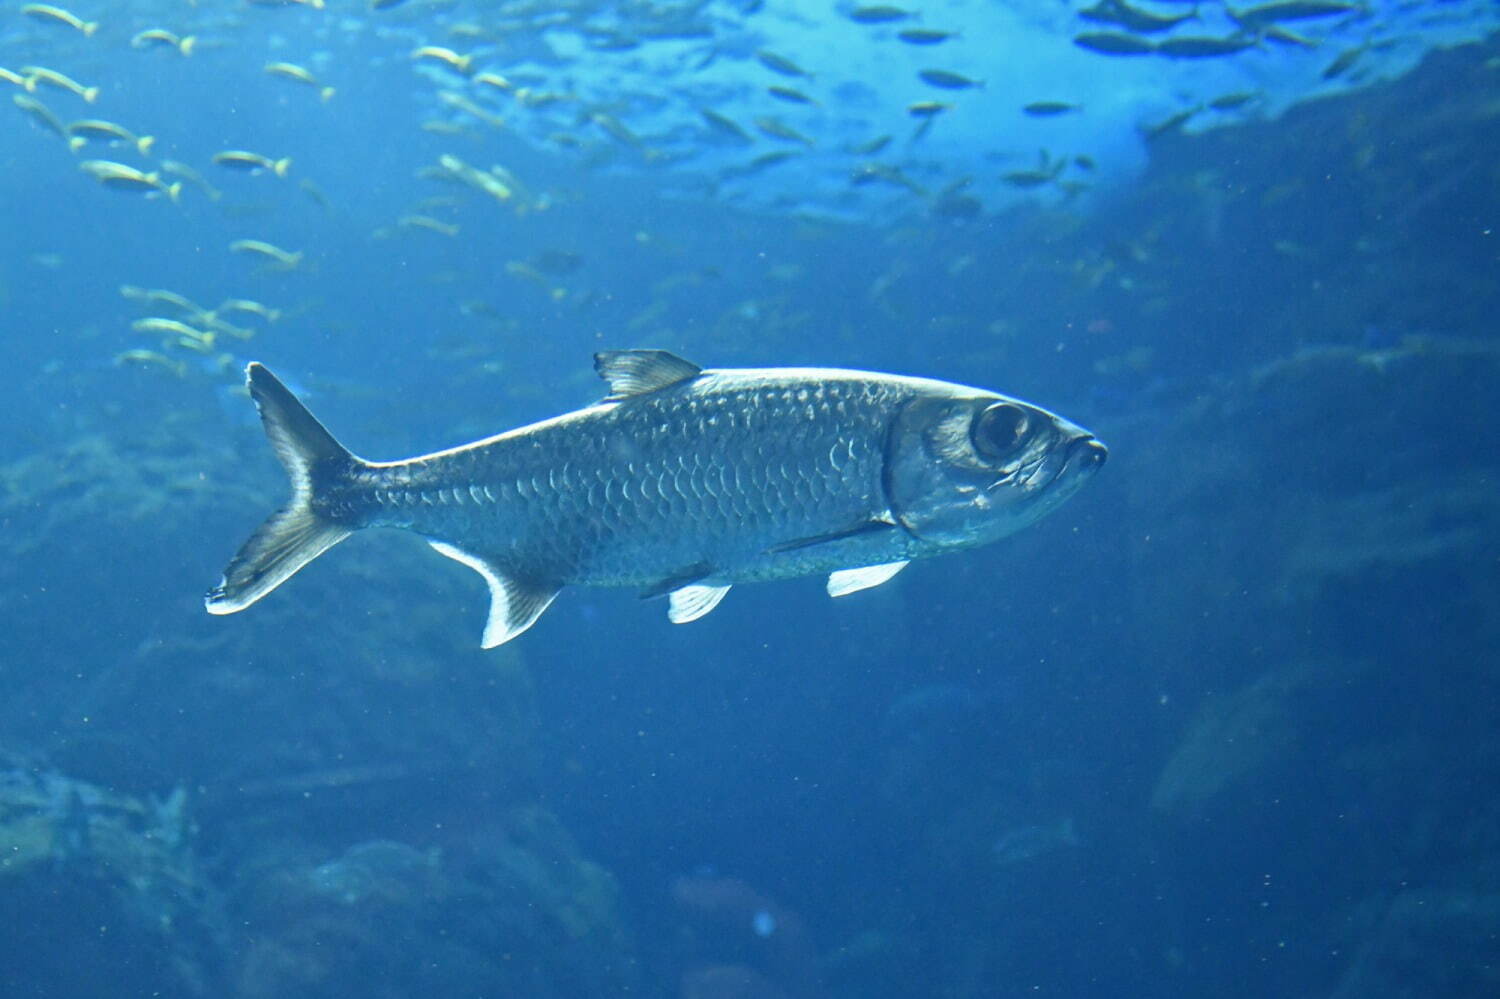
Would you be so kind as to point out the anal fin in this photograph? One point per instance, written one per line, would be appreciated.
(515, 603)
(847, 581)
(689, 603)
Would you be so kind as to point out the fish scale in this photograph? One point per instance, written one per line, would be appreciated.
(681, 482)
(712, 472)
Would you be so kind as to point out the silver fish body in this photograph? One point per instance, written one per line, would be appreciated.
(683, 482)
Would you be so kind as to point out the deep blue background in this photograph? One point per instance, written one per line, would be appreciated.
(862, 762)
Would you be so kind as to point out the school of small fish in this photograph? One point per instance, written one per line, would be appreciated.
(849, 110)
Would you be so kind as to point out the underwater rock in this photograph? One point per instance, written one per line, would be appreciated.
(729, 981)
(1231, 737)
(380, 871)
(1401, 486)
(1361, 491)
(516, 911)
(1028, 842)
(1397, 959)
(733, 918)
(100, 892)
(1311, 590)
(1264, 733)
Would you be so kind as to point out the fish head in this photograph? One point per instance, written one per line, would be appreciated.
(967, 468)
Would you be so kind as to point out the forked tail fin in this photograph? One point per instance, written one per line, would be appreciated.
(296, 534)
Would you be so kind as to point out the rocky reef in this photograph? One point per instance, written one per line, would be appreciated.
(1342, 547)
(113, 876)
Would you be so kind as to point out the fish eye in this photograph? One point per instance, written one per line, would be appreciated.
(999, 430)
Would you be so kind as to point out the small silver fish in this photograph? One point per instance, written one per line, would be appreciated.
(682, 481)
(947, 79)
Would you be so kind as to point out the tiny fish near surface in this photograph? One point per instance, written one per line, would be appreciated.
(682, 481)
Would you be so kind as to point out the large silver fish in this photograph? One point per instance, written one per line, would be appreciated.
(682, 481)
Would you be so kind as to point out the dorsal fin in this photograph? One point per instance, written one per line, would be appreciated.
(636, 372)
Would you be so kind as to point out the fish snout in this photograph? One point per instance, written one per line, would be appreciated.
(1087, 453)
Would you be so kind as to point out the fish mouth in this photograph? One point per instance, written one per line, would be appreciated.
(1085, 454)
(1072, 463)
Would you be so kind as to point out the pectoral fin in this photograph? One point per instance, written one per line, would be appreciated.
(689, 603)
(847, 581)
(863, 529)
(515, 603)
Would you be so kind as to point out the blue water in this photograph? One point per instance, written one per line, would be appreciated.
(1223, 724)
